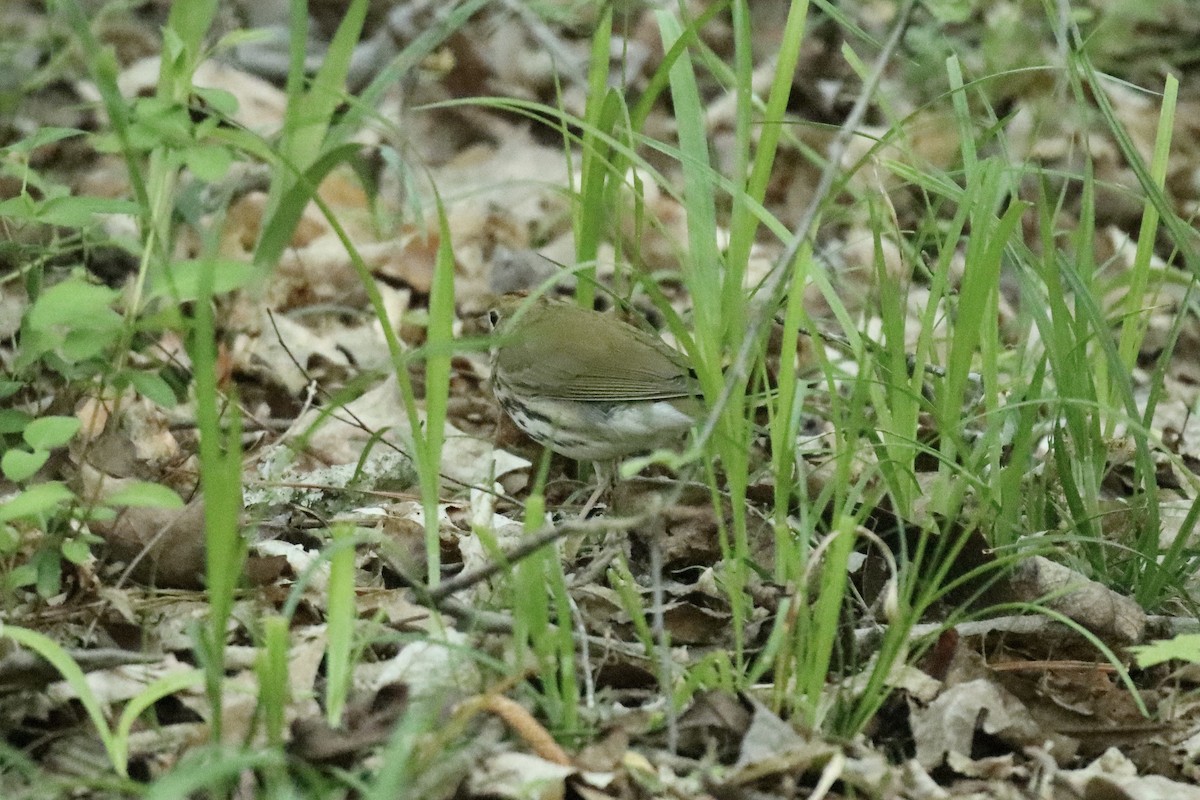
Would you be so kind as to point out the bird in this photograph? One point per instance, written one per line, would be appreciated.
(586, 384)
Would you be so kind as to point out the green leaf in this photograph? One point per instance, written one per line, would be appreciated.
(75, 304)
(40, 138)
(209, 163)
(35, 500)
(17, 465)
(80, 345)
(49, 572)
(20, 207)
(9, 539)
(182, 284)
(106, 143)
(145, 494)
(1184, 647)
(48, 433)
(76, 212)
(173, 49)
(101, 514)
(153, 387)
(76, 551)
(221, 101)
(67, 210)
(23, 575)
(13, 421)
(160, 122)
(187, 25)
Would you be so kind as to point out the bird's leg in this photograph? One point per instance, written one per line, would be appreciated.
(606, 479)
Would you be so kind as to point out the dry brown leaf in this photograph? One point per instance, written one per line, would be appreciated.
(1112, 776)
(164, 546)
(510, 776)
(1110, 615)
(366, 724)
(952, 722)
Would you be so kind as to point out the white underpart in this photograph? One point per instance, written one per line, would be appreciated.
(602, 431)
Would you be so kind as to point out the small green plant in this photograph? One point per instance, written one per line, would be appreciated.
(963, 428)
(114, 739)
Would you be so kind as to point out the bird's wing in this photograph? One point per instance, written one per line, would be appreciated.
(580, 364)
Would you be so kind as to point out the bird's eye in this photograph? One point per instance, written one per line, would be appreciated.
(494, 317)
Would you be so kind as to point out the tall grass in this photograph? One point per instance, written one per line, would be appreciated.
(953, 423)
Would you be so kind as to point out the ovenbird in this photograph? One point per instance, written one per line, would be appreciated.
(586, 384)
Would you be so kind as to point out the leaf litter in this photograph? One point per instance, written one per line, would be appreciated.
(999, 707)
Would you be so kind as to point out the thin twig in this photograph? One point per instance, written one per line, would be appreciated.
(531, 544)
